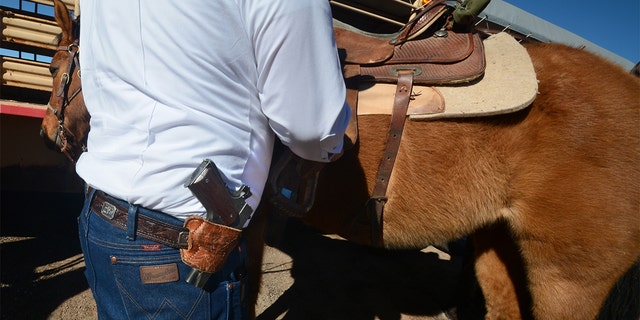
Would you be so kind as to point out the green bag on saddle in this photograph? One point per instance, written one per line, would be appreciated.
(466, 12)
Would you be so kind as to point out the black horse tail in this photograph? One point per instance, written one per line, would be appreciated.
(636, 70)
(623, 301)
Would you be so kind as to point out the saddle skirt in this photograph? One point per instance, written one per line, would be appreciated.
(509, 84)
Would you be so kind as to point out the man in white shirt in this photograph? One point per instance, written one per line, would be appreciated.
(169, 84)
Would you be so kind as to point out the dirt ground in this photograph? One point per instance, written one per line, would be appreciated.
(310, 276)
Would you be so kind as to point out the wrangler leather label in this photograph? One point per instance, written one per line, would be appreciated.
(151, 247)
(159, 274)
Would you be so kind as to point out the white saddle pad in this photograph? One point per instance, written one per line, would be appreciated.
(508, 85)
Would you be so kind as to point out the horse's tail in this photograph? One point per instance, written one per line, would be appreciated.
(636, 70)
(623, 301)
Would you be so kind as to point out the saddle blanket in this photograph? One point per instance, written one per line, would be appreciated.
(509, 84)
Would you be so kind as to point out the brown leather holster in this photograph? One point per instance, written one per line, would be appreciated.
(209, 244)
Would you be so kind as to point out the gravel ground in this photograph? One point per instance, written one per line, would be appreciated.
(313, 276)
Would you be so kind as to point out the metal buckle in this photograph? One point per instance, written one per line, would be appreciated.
(108, 210)
(395, 70)
(183, 238)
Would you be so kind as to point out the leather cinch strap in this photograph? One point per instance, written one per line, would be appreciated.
(379, 195)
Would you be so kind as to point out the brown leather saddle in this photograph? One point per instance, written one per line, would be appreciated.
(427, 51)
(436, 54)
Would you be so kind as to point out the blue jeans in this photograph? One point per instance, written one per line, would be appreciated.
(142, 279)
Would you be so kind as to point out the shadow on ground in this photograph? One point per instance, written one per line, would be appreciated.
(335, 279)
(41, 265)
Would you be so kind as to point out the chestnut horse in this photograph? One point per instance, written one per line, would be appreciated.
(66, 122)
(549, 195)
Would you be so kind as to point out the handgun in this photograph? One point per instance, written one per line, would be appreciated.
(224, 206)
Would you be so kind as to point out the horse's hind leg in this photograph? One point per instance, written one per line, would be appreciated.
(500, 274)
(570, 278)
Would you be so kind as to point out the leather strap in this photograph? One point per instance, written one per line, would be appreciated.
(398, 116)
(147, 227)
(352, 83)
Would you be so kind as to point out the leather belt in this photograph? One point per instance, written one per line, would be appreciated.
(147, 227)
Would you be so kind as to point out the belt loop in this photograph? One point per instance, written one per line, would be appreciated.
(89, 193)
(132, 218)
(88, 199)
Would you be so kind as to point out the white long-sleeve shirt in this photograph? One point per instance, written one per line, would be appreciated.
(171, 83)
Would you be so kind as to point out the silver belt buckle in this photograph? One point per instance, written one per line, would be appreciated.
(108, 210)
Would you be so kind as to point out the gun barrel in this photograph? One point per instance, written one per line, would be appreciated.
(198, 278)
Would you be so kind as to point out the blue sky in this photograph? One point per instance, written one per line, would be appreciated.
(613, 25)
